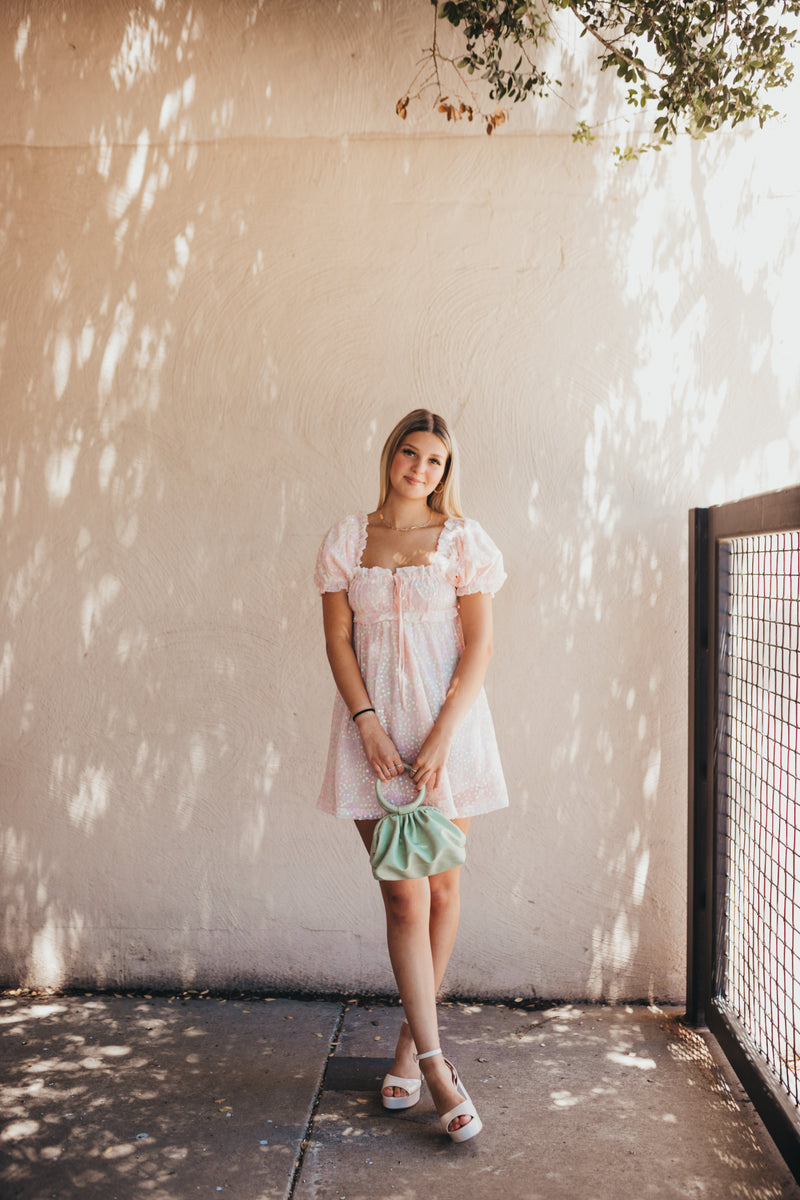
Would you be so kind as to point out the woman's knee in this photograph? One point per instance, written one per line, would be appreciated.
(445, 889)
(407, 901)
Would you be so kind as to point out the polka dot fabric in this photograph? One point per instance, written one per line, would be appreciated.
(408, 640)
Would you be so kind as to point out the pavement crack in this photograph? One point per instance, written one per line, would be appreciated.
(309, 1126)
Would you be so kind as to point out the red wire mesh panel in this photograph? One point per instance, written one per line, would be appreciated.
(758, 852)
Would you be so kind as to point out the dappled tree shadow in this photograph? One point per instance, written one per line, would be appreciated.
(222, 289)
(678, 320)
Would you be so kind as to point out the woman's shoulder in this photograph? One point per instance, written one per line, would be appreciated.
(346, 526)
(340, 552)
(474, 560)
(466, 524)
(461, 530)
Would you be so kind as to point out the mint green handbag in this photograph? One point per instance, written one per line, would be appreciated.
(414, 840)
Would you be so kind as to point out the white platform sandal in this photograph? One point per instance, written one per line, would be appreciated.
(462, 1133)
(412, 1088)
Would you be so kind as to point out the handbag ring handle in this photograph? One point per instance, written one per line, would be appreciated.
(399, 809)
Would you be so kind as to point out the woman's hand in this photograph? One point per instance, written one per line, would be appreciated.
(381, 752)
(431, 760)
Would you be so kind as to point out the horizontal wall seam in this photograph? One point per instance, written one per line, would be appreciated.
(333, 139)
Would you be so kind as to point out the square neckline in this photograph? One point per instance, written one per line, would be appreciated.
(363, 520)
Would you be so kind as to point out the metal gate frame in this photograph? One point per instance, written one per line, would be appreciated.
(772, 512)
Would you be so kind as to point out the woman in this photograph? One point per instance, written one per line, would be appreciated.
(407, 610)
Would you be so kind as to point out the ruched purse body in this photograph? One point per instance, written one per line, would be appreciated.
(412, 841)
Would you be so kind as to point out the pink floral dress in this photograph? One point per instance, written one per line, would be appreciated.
(408, 641)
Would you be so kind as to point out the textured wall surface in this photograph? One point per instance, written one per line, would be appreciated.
(226, 269)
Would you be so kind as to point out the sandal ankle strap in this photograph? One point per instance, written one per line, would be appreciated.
(427, 1054)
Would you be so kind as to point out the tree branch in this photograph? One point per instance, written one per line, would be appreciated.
(611, 49)
(435, 49)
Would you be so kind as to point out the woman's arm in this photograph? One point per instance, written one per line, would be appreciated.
(337, 618)
(465, 686)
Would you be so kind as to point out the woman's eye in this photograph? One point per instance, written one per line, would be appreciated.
(408, 452)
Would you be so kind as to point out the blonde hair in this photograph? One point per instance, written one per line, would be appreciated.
(448, 500)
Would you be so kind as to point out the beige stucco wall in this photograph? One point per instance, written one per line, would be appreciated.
(226, 268)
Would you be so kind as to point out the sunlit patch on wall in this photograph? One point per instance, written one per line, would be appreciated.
(174, 101)
(106, 465)
(46, 959)
(137, 54)
(132, 646)
(158, 178)
(120, 197)
(127, 490)
(103, 144)
(533, 513)
(270, 767)
(117, 341)
(613, 951)
(197, 756)
(62, 362)
(21, 44)
(652, 775)
(82, 543)
(192, 31)
(57, 282)
(33, 574)
(640, 877)
(90, 801)
(6, 664)
(222, 117)
(60, 469)
(94, 605)
(182, 253)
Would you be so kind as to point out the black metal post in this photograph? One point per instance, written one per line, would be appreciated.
(697, 948)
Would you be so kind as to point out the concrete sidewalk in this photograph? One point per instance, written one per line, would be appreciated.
(166, 1098)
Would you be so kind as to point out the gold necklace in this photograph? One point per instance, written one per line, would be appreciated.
(404, 528)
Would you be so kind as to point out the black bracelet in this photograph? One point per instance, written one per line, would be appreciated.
(361, 712)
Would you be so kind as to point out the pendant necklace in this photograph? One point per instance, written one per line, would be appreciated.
(404, 528)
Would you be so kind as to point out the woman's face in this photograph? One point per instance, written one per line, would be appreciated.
(418, 466)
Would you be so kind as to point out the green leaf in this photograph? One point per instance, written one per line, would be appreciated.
(701, 64)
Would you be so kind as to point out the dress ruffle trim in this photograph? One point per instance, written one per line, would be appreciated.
(447, 546)
(465, 555)
(361, 544)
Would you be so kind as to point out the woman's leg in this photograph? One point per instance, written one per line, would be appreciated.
(421, 914)
(445, 903)
(445, 913)
(404, 1064)
(408, 916)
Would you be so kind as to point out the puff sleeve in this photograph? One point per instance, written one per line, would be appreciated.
(339, 555)
(475, 563)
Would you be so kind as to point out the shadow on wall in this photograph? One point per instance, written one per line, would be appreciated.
(148, 641)
(681, 333)
(184, 363)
